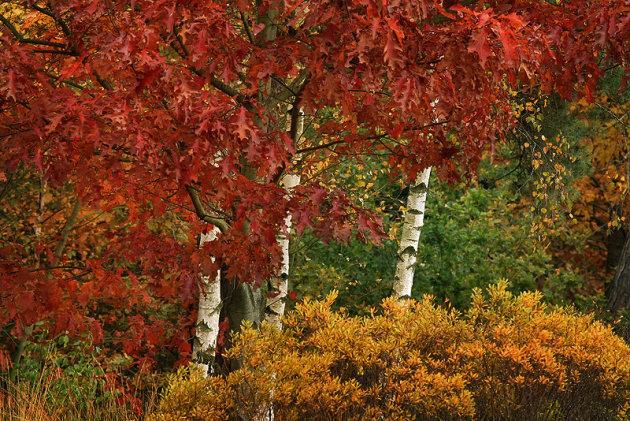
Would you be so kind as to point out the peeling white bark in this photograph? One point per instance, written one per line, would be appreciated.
(414, 221)
(279, 286)
(207, 327)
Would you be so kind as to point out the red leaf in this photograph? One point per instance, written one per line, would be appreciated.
(242, 124)
(507, 39)
(148, 78)
(318, 196)
(93, 7)
(11, 84)
(479, 44)
(224, 326)
(273, 294)
(70, 70)
(390, 51)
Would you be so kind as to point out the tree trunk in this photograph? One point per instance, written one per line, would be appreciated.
(614, 245)
(619, 289)
(209, 309)
(37, 231)
(279, 286)
(414, 221)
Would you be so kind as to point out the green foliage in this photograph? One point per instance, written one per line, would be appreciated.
(69, 368)
(508, 358)
(62, 379)
(474, 236)
(471, 236)
(361, 273)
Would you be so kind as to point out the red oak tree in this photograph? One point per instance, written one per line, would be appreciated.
(195, 105)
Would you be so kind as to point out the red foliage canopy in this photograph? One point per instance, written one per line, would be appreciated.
(159, 101)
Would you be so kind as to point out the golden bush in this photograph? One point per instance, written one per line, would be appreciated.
(530, 361)
(508, 358)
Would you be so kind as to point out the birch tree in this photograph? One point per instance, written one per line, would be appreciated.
(278, 286)
(208, 312)
(412, 227)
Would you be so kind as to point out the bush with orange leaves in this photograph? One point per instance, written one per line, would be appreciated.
(508, 358)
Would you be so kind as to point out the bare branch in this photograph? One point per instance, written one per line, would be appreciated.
(103, 82)
(62, 52)
(317, 147)
(67, 228)
(23, 40)
(199, 209)
(248, 30)
(218, 84)
(49, 12)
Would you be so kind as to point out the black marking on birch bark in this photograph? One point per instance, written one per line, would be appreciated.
(420, 188)
(408, 251)
(415, 211)
(271, 312)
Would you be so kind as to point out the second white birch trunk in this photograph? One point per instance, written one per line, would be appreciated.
(209, 309)
(414, 221)
(279, 286)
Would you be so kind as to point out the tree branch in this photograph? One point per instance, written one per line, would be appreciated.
(67, 228)
(23, 40)
(103, 82)
(181, 42)
(317, 147)
(426, 126)
(62, 52)
(49, 12)
(248, 30)
(201, 213)
(218, 84)
(295, 88)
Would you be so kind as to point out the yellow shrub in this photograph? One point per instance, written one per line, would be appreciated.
(191, 396)
(506, 358)
(529, 361)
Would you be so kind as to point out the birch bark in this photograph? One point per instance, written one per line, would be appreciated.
(278, 287)
(412, 226)
(209, 308)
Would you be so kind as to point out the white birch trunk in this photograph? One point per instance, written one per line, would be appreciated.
(279, 286)
(207, 327)
(414, 221)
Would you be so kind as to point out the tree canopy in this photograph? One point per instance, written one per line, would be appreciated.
(153, 108)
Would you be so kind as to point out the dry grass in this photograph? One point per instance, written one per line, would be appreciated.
(37, 401)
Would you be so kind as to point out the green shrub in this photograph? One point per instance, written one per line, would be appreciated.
(68, 367)
(61, 379)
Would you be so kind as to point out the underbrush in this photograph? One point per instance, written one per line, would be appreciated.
(64, 380)
(506, 358)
